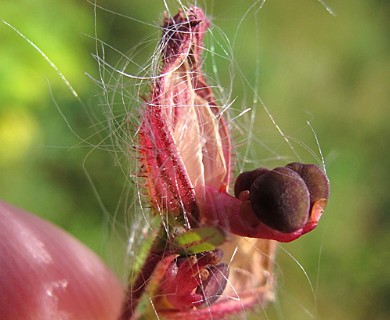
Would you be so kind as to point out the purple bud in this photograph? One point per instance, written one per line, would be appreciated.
(316, 180)
(281, 200)
(244, 180)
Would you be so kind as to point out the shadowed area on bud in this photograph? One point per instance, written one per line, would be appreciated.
(215, 284)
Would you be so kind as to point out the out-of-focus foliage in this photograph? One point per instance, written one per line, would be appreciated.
(305, 64)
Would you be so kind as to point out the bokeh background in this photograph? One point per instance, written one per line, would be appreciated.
(305, 63)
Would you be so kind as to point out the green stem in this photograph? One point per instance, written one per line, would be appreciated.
(137, 288)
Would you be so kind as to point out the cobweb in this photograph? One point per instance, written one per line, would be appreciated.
(124, 78)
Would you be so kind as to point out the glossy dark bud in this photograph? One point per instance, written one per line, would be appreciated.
(245, 180)
(212, 288)
(281, 200)
(316, 180)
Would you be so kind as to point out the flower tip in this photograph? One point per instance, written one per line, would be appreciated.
(318, 209)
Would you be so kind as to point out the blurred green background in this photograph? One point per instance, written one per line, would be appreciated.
(305, 64)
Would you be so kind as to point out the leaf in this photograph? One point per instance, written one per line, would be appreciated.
(199, 240)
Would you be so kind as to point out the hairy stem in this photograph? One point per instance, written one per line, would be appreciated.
(137, 288)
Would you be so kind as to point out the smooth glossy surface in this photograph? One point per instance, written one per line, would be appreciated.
(46, 274)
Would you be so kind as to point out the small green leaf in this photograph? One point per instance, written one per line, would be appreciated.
(199, 240)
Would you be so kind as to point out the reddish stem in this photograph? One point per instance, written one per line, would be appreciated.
(137, 288)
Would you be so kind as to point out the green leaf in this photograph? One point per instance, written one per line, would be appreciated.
(199, 240)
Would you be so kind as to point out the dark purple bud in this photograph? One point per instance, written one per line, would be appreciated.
(244, 180)
(316, 180)
(212, 288)
(281, 200)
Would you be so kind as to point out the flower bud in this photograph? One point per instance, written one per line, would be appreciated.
(281, 200)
